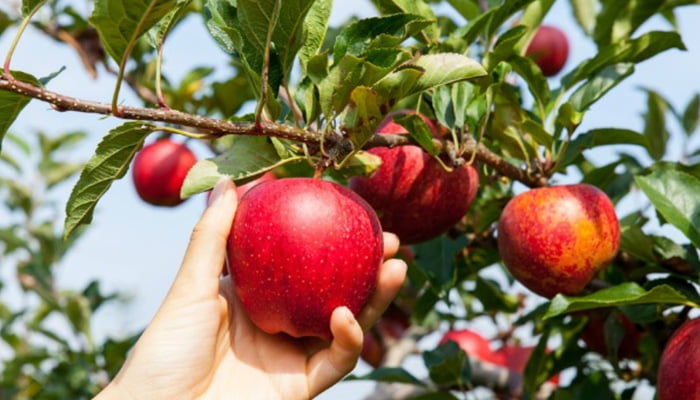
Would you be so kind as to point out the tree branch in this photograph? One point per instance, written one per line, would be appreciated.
(480, 152)
(217, 127)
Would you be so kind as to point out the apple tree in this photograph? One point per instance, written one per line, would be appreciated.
(572, 295)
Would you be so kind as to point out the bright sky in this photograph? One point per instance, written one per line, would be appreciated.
(135, 248)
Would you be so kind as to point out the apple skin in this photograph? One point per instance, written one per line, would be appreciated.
(243, 189)
(390, 327)
(549, 49)
(414, 196)
(555, 239)
(515, 358)
(594, 335)
(298, 249)
(475, 345)
(679, 366)
(159, 170)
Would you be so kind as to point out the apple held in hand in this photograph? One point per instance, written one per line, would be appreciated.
(298, 249)
(555, 239)
(549, 49)
(679, 366)
(243, 189)
(159, 170)
(414, 196)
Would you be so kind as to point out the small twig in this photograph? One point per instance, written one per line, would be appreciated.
(15, 40)
(217, 127)
(266, 64)
(159, 88)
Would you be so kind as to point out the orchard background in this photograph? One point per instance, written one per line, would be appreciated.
(66, 321)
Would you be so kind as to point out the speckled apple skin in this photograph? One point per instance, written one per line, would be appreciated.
(555, 239)
(679, 367)
(549, 49)
(413, 195)
(298, 249)
(159, 170)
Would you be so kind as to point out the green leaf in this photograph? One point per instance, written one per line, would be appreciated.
(419, 131)
(599, 84)
(585, 13)
(315, 28)
(624, 51)
(436, 259)
(655, 124)
(361, 163)
(29, 5)
(628, 293)
(675, 195)
(351, 72)
(248, 158)
(602, 137)
(156, 35)
(536, 81)
(489, 22)
(77, 309)
(362, 115)
(691, 115)
(388, 374)
(109, 163)
(618, 20)
(432, 70)
(416, 7)
(448, 365)
(376, 32)
(256, 19)
(222, 23)
(11, 104)
(121, 22)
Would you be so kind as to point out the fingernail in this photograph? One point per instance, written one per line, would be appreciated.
(218, 192)
(348, 315)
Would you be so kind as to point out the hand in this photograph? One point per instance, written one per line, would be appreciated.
(201, 344)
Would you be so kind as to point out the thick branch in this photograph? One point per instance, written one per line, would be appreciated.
(217, 127)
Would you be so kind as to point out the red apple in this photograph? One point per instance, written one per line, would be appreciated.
(159, 170)
(414, 196)
(298, 249)
(475, 345)
(594, 334)
(555, 239)
(679, 366)
(241, 190)
(515, 358)
(390, 327)
(549, 49)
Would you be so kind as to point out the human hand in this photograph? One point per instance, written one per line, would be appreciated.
(202, 345)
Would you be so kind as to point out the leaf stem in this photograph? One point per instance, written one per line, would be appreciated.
(266, 63)
(15, 40)
(125, 58)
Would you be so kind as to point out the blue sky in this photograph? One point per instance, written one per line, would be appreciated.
(135, 248)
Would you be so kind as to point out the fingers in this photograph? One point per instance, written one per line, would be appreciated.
(391, 276)
(206, 252)
(391, 245)
(329, 365)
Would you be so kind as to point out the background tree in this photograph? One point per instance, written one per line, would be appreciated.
(317, 94)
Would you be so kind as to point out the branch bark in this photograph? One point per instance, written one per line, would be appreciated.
(217, 127)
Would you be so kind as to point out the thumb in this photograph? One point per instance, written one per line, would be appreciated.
(201, 266)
